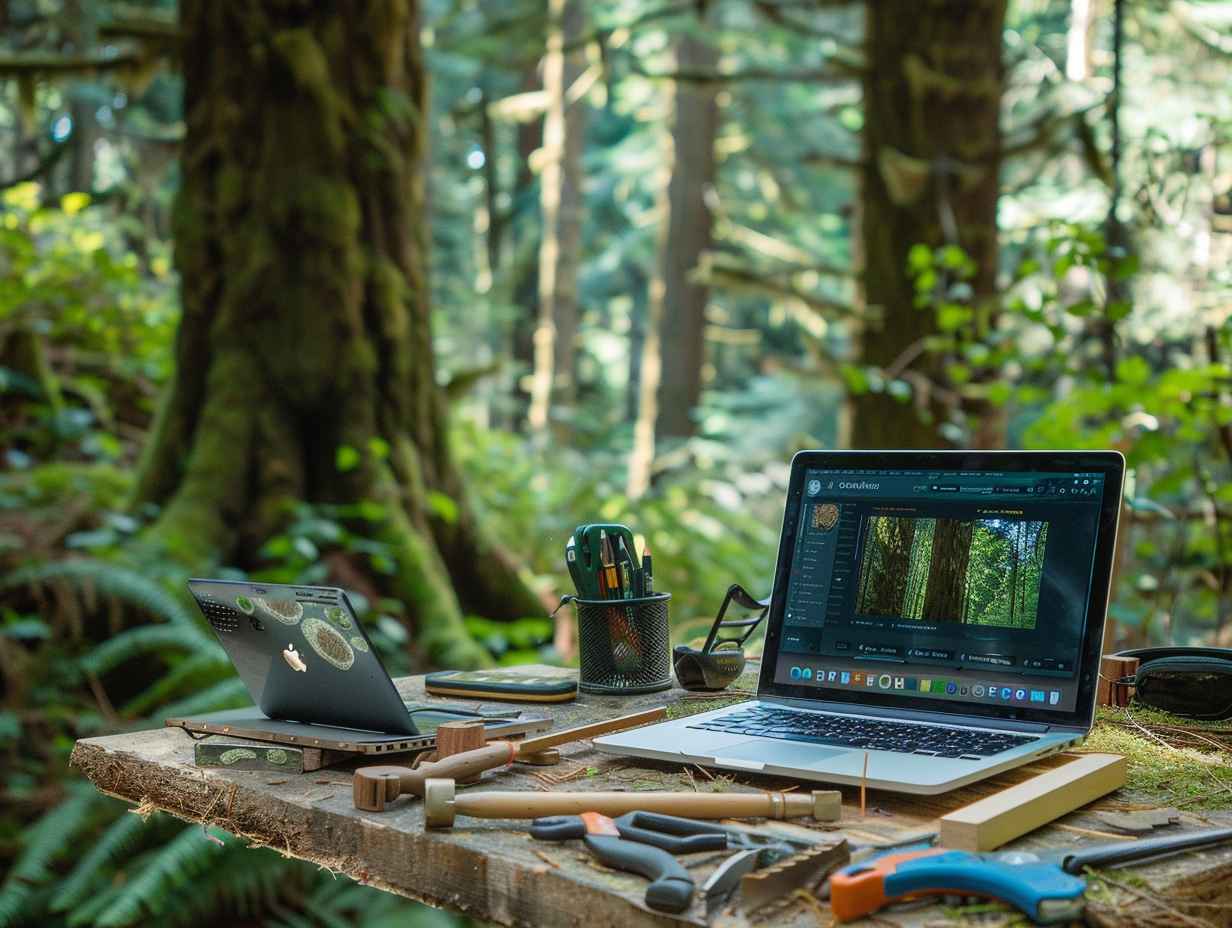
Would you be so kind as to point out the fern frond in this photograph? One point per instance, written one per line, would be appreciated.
(45, 840)
(84, 915)
(143, 639)
(118, 837)
(155, 887)
(109, 579)
(192, 673)
(240, 886)
(229, 694)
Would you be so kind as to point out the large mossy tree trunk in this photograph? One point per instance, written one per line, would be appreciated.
(932, 100)
(300, 240)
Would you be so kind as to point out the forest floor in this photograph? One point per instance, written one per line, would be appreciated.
(1172, 761)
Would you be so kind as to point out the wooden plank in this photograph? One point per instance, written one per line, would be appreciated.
(989, 823)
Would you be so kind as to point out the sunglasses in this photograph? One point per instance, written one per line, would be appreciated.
(1193, 682)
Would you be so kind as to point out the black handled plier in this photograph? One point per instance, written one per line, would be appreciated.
(641, 842)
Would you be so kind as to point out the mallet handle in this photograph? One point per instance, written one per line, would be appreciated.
(508, 804)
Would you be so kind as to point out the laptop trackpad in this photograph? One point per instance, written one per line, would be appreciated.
(780, 753)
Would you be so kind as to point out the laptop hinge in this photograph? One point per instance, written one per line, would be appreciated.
(916, 715)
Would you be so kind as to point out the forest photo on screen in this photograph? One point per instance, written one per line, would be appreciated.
(974, 571)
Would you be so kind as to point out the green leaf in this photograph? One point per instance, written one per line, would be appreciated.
(856, 377)
(951, 316)
(443, 506)
(1133, 370)
(952, 257)
(958, 373)
(919, 258)
(346, 458)
(999, 393)
(1119, 309)
(1081, 308)
(379, 447)
(74, 203)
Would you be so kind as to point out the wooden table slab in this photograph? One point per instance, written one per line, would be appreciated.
(493, 871)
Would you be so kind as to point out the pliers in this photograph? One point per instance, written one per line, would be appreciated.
(641, 842)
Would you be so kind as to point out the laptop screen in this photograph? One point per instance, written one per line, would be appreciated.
(962, 586)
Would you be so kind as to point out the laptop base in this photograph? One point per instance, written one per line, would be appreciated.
(250, 723)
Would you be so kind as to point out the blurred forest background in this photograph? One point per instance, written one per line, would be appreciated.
(392, 294)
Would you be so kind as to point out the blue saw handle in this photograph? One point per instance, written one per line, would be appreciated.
(1044, 891)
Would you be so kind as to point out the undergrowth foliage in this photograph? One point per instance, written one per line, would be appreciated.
(88, 859)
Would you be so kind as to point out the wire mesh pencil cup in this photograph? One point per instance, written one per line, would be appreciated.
(625, 644)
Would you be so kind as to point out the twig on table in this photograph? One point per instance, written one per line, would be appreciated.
(864, 787)
(1147, 897)
(1092, 833)
(545, 858)
(814, 905)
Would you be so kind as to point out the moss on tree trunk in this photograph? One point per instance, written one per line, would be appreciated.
(932, 100)
(300, 239)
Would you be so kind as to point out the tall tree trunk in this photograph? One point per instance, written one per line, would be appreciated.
(688, 236)
(560, 182)
(638, 285)
(932, 99)
(527, 226)
(671, 380)
(886, 566)
(300, 240)
(947, 580)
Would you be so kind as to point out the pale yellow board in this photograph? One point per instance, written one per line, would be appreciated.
(989, 823)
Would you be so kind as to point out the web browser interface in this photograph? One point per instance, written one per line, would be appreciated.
(945, 585)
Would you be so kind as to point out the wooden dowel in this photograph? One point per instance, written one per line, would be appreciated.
(442, 804)
(581, 732)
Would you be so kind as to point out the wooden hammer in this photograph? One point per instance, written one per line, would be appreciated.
(372, 787)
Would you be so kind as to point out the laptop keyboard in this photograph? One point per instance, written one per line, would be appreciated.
(869, 734)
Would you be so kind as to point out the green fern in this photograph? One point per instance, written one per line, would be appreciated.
(128, 586)
(228, 694)
(143, 639)
(118, 838)
(45, 840)
(241, 885)
(192, 673)
(156, 885)
(86, 914)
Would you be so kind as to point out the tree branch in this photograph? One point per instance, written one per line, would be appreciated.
(829, 159)
(48, 161)
(24, 64)
(144, 28)
(843, 73)
(750, 281)
(774, 13)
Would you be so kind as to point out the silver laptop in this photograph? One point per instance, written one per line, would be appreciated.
(936, 615)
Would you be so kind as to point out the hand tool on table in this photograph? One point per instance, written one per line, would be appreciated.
(721, 659)
(789, 858)
(442, 804)
(1044, 887)
(774, 865)
(640, 842)
(374, 786)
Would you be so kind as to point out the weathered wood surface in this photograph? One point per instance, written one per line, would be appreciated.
(493, 871)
